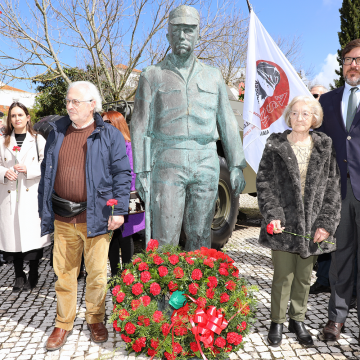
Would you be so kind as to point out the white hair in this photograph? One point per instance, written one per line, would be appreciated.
(90, 90)
(325, 90)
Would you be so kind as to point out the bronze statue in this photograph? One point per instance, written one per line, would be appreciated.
(181, 107)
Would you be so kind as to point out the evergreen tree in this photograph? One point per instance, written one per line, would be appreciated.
(350, 30)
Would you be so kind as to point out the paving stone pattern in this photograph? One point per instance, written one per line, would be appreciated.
(27, 318)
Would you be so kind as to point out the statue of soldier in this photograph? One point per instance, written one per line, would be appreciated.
(181, 107)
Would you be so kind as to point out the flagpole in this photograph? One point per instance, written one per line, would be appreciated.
(249, 6)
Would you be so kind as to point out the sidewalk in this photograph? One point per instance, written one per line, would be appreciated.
(27, 319)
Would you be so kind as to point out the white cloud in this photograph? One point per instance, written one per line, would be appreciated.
(327, 74)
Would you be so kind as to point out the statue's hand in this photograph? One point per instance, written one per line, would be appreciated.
(141, 184)
(237, 181)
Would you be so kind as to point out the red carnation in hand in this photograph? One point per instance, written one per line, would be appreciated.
(153, 245)
(190, 261)
(178, 272)
(165, 329)
(125, 338)
(128, 279)
(137, 289)
(174, 259)
(157, 317)
(210, 293)
(123, 314)
(157, 260)
(193, 288)
(112, 202)
(130, 328)
(137, 260)
(120, 297)
(135, 304)
(115, 290)
(212, 282)
(270, 229)
(223, 271)
(143, 266)
(209, 263)
(173, 286)
(224, 297)
(196, 274)
(163, 271)
(16, 148)
(145, 300)
(220, 342)
(155, 289)
(145, 276)
(230, 285)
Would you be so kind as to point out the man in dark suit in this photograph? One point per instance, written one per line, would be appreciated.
(342, 124)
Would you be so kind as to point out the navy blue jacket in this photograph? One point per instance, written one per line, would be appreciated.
(346, 144)
(108, 175)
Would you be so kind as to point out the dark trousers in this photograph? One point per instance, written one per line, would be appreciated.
(343, 259)
(324, 262)
(19, 266)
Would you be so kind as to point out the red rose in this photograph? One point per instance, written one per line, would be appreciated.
(196, 274)
(212, 282)
(224, 272)
(244, 290)
(210, 293)
(177, 348)
(270, 229)
(230, 285)
(151, 352)
(143, 266)
(120, 297)
(242, 326)
(155, 289)
(136, 347)
(112, 202)
(224, 297)
(154, 343)
(115, 290)
(153, 245)
(145, 300)
(174, 259)
(125, 338)
(130, 328)
(201, 302)
(145, 276)
(16, 148)
(178, 272)
(158, 260)
(193, 288)
(137, 289)
(135, 304)
(123, 314)
(163, 271)
(128, 279)
(190, 261)
(209, 263)
(157, 317)
(173, 286)
(165, 329)
(137, 260)
(194, 346)
(220, 342)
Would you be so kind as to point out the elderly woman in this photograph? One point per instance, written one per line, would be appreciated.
(298, 186)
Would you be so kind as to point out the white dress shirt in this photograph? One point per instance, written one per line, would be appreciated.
(345, 99)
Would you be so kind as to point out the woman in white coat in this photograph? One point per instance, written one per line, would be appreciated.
(19, 180)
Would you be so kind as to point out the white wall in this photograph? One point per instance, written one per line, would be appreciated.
(7, 97)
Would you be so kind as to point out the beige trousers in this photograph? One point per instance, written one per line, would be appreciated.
(70, 241)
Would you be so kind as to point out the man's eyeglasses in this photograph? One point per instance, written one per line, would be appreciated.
(349, 60)
(75, 102)
(316, 95)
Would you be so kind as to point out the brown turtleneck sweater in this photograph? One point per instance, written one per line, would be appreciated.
(70, 181)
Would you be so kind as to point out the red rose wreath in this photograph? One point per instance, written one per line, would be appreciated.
(215, 311)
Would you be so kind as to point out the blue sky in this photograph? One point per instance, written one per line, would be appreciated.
(317, 21)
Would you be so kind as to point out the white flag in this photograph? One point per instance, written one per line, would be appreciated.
(271, 83)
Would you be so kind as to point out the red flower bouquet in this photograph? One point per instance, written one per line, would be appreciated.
(216, 305)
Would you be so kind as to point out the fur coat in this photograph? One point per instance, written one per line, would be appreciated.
(279, 195)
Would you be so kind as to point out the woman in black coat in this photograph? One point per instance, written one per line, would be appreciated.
(298, 187)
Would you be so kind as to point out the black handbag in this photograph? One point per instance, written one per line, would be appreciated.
(66, 208)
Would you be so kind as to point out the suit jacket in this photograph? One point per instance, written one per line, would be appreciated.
(346, 144)
(176, 112)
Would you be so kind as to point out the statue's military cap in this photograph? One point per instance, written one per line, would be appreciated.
(184, 14)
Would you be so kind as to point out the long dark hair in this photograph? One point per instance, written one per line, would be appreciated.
(8, 126)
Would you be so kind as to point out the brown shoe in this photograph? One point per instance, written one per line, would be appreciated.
(332, 331)
(57, 339)
(98, 332)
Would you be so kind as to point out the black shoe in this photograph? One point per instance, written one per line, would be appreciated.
(302, 334)
(353, 302)
(275, 334)
(19, 283)
(317, 288)
(31, 282)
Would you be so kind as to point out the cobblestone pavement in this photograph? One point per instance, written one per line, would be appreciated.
(27, 318)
